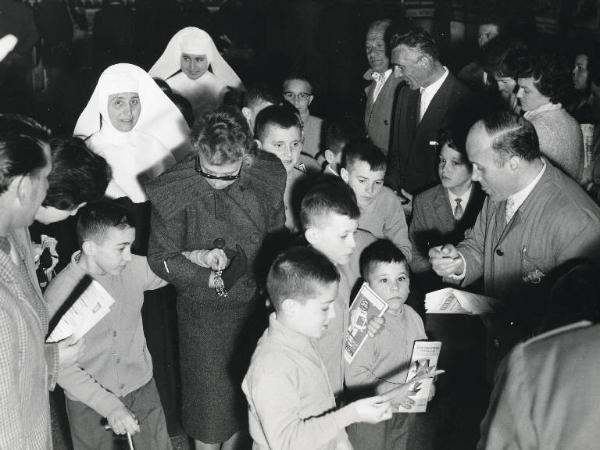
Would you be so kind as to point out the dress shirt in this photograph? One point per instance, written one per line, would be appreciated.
(464, 199)
(380, 79)
(517, 199)
(427, 93)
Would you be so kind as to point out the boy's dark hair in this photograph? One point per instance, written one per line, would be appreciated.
(222, 136)
(260, 92)
(163, 85)
(330, 195)
(78, 175)
(380, 251)
(301, 77)
(340, 132)
(184, 106)
(278, 115)
(364, 150)
(298, 274)
(22, 143)
(95, 219)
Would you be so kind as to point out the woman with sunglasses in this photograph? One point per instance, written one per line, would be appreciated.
(228, 197)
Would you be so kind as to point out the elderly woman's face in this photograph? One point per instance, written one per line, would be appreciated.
(193, 66)
(124, 110)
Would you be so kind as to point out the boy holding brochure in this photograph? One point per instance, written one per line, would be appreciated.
(383, 361)
(112, 376)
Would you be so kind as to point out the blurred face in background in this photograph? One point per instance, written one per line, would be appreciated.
(529, 96)
(375, 49)
(487, 32)
(580, 72)
(298, 93)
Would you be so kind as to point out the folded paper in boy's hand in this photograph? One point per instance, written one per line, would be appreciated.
(455, 301)
(91, 306)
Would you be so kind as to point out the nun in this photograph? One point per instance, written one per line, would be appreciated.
(194, 68)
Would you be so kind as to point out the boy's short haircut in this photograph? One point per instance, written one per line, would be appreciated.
(278, 115)
(339, 133)
(330, 195)
(380, 251)
(301, 77)
(298, 274)
(260, 93)
(95, 219)
(78, 175)
(364, 150)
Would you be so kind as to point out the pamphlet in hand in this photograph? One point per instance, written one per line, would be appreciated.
(454, 301)
(365, 306)
(424, 360)
(89, 308)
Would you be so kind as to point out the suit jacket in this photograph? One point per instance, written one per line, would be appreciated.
(378, 114)
(24, 401)
(412, 156)
(557, 222)
(433, 222)
(547, 393)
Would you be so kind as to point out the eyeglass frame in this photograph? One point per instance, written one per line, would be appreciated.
(304, 96)
(210, 176)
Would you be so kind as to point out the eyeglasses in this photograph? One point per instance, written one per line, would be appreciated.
(210, 176)
(304, 96)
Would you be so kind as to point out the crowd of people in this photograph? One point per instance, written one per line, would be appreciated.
(181, 187)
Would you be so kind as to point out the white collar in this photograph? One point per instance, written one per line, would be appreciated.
(519, 197)
(464, 198)
(436, 85)
(385, 75)
(541, 109)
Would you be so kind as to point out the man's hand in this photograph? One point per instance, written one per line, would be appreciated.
(375, 325)
(69, 351)
(123, 421)
(445, 260)
(373, 409)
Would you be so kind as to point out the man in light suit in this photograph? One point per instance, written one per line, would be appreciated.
(534, 219)
(381, 93)
(547, 393)
(431, 95)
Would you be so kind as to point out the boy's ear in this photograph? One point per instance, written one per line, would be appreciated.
(344, 174)
(89, 248)
(258, 143)
(23, 187)
(311, 235)
(289, 307)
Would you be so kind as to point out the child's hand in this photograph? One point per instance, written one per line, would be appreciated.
(375, 325)
(431, 392)
(123, 421)
(373, 409)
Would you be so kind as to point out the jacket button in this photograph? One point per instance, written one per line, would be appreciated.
(499, 252)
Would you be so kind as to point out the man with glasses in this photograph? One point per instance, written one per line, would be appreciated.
(224, 198)
(298, 90)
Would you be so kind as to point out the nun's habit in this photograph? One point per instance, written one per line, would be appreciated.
(143, 152)
(205, 93)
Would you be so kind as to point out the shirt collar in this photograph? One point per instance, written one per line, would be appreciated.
(540, 109)
(464, 198)
(520, 197)
(435, 86)
(368, 75)
(291, 338)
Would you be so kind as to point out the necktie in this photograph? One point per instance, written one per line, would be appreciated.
(379, 81)
(458, 209)
(510, 209)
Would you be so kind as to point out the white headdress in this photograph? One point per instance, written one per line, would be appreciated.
(193, 41)
(159, 117)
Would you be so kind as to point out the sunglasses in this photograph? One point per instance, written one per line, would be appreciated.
(210, 176)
